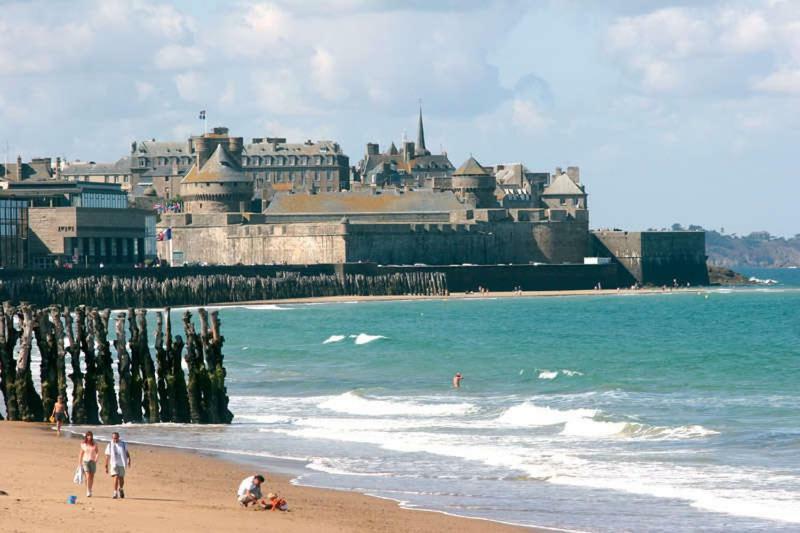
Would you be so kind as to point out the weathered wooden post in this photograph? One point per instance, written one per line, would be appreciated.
(105, 379)
(209, 355)
(176, 382)
(136, 384)
(86, 335)
(76, 376)
(167, 415)
(194, 360)
(61, 364)
(123, 368)
(48, 375)
(28, 400)
(8, 366)
(218, 372)
(148, 370)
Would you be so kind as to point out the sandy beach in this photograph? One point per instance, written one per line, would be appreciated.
(176, 490)
(466, 296)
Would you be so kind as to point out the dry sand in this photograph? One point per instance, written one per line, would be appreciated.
(176, 490)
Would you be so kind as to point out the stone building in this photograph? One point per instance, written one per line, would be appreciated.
(271, 163)
(565, 191)
(216, 183)
(91, 172)
(474, 185)
(37, 169)
(412, 165)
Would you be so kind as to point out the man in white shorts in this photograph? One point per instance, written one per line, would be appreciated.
(250, 490)
(118, 458)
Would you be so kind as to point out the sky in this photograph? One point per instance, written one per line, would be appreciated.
(675, 111)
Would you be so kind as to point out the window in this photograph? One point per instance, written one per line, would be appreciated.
(563, 201)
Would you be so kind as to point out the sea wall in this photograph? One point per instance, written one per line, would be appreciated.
(654, 257)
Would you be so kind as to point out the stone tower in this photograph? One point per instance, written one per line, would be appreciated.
(218, 186)
(474, 185)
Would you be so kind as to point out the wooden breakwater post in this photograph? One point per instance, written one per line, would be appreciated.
(162, 395)
(173, 287)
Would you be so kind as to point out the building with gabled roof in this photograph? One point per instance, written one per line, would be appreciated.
(565, 192)
(428, 170)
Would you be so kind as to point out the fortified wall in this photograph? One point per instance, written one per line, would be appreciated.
(228, 239)
(655, 257)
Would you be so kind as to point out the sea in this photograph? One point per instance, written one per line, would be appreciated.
(675, 411)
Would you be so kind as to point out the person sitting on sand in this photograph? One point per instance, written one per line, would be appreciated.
(457, 380)
(250, 491)
(59, 414)
(87, 460)
(118, 458)
(275, 503)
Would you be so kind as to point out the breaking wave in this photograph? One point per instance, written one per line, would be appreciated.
(354, 404)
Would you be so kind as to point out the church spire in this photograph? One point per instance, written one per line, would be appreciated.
(420, 148)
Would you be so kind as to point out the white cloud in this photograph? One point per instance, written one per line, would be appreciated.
(525, 115)
(178, 57)
(785, 81)
(745, 32)
(144, 90)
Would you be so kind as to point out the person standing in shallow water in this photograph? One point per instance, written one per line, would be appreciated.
(118, 458)
(87, 460)
(457, 380)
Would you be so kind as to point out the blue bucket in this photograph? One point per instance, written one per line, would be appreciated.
(72, 499)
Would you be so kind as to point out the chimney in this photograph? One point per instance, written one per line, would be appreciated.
(58, 167)
(408, 150)
(373, 149)
(18, 176)
(574, 174)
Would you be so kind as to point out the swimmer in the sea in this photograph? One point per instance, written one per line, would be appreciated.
(457, 380)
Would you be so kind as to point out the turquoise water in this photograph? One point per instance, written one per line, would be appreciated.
(667, 412)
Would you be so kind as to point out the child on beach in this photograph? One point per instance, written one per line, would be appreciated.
(87, 459)
(59, 415)
(275, 503)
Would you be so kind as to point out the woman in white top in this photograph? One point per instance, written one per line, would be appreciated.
(87, 460)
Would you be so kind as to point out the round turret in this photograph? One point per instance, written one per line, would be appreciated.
(219, 186)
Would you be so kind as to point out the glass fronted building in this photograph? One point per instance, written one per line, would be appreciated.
(13, 233)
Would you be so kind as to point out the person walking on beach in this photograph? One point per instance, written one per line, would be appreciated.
(87, 460)
(250, 491)
(457, 380)
(59, 414)
(118, 458)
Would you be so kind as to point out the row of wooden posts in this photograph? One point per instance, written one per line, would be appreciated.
(121, 291)
(148, 391)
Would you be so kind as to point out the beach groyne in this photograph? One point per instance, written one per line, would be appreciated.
(146, 390)
(175, 287)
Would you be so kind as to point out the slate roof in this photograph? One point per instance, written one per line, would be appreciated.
(220, 168)
(471, 167)
(387, 201)
(316, 148)
(562, 185)
(122, 166)
(425, 162)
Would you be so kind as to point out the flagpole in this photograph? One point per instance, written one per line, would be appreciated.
(171, 254)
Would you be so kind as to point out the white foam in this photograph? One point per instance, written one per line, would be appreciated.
(568, 372)
(265, 419)
(363, 338)
(352, 403)
(548, 374)
(330, 466)
(333, 338)
(528, 414)
(586, 427)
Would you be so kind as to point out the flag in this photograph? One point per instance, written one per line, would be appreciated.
(164, 235)
(202, 115)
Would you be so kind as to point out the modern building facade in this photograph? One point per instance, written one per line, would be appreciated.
(13, 233)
